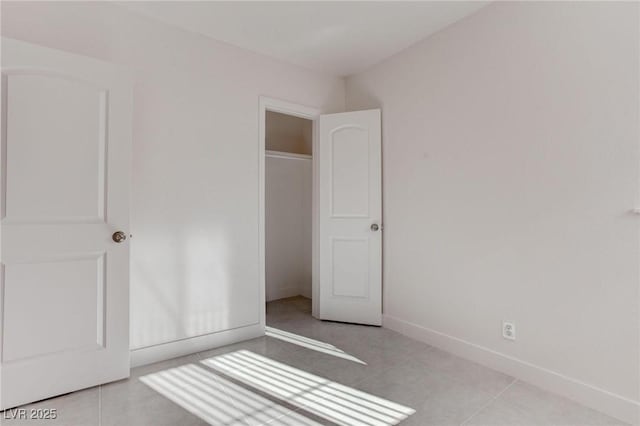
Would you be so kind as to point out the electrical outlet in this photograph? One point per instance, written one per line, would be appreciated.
(509, 330)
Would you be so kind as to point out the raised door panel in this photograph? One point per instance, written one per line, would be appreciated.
(53, 306)
(48, 117)
(349, 172)
(350, 267)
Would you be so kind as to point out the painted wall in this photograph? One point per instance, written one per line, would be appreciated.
(288, 133)
(510, 146)
(288, 227)
(195, 158)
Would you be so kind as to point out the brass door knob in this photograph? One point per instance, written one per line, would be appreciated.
(119, 236)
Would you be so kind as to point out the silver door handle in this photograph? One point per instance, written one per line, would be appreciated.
(375, 227)
(119, 236)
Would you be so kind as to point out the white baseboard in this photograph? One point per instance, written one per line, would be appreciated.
(282, 293)
(305, 292)
(191, 345)
(599, 399)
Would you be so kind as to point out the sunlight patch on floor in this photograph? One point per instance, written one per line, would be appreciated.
(322, 397)
(312, 344)
(219, 401)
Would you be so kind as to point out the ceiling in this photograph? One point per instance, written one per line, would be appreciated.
(339, 38)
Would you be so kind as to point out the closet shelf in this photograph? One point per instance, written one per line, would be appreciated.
(290, 155)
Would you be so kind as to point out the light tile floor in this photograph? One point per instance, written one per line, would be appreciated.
(442, 388)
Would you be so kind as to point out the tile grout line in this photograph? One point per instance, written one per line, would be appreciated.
(232, 401)
(491, 401)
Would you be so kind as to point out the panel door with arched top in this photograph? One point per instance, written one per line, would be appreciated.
(64, 219)
(350, 211)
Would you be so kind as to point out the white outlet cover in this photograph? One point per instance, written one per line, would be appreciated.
(509, 330)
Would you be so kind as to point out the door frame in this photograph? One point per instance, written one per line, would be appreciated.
(309, 113)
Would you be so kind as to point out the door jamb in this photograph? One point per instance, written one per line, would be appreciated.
(309, 113)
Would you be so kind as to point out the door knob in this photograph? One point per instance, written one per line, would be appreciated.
(119, 236)
(374, 227)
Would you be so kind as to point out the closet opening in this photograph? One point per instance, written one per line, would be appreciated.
(288, 213)
(288, 203)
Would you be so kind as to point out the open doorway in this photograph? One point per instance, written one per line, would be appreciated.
(288, 205)
(346, 211)
(288, 214)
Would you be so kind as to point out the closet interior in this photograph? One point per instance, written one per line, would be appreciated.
(288, 195)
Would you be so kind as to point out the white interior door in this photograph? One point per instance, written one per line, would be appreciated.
(65, 159)
(350, 217)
